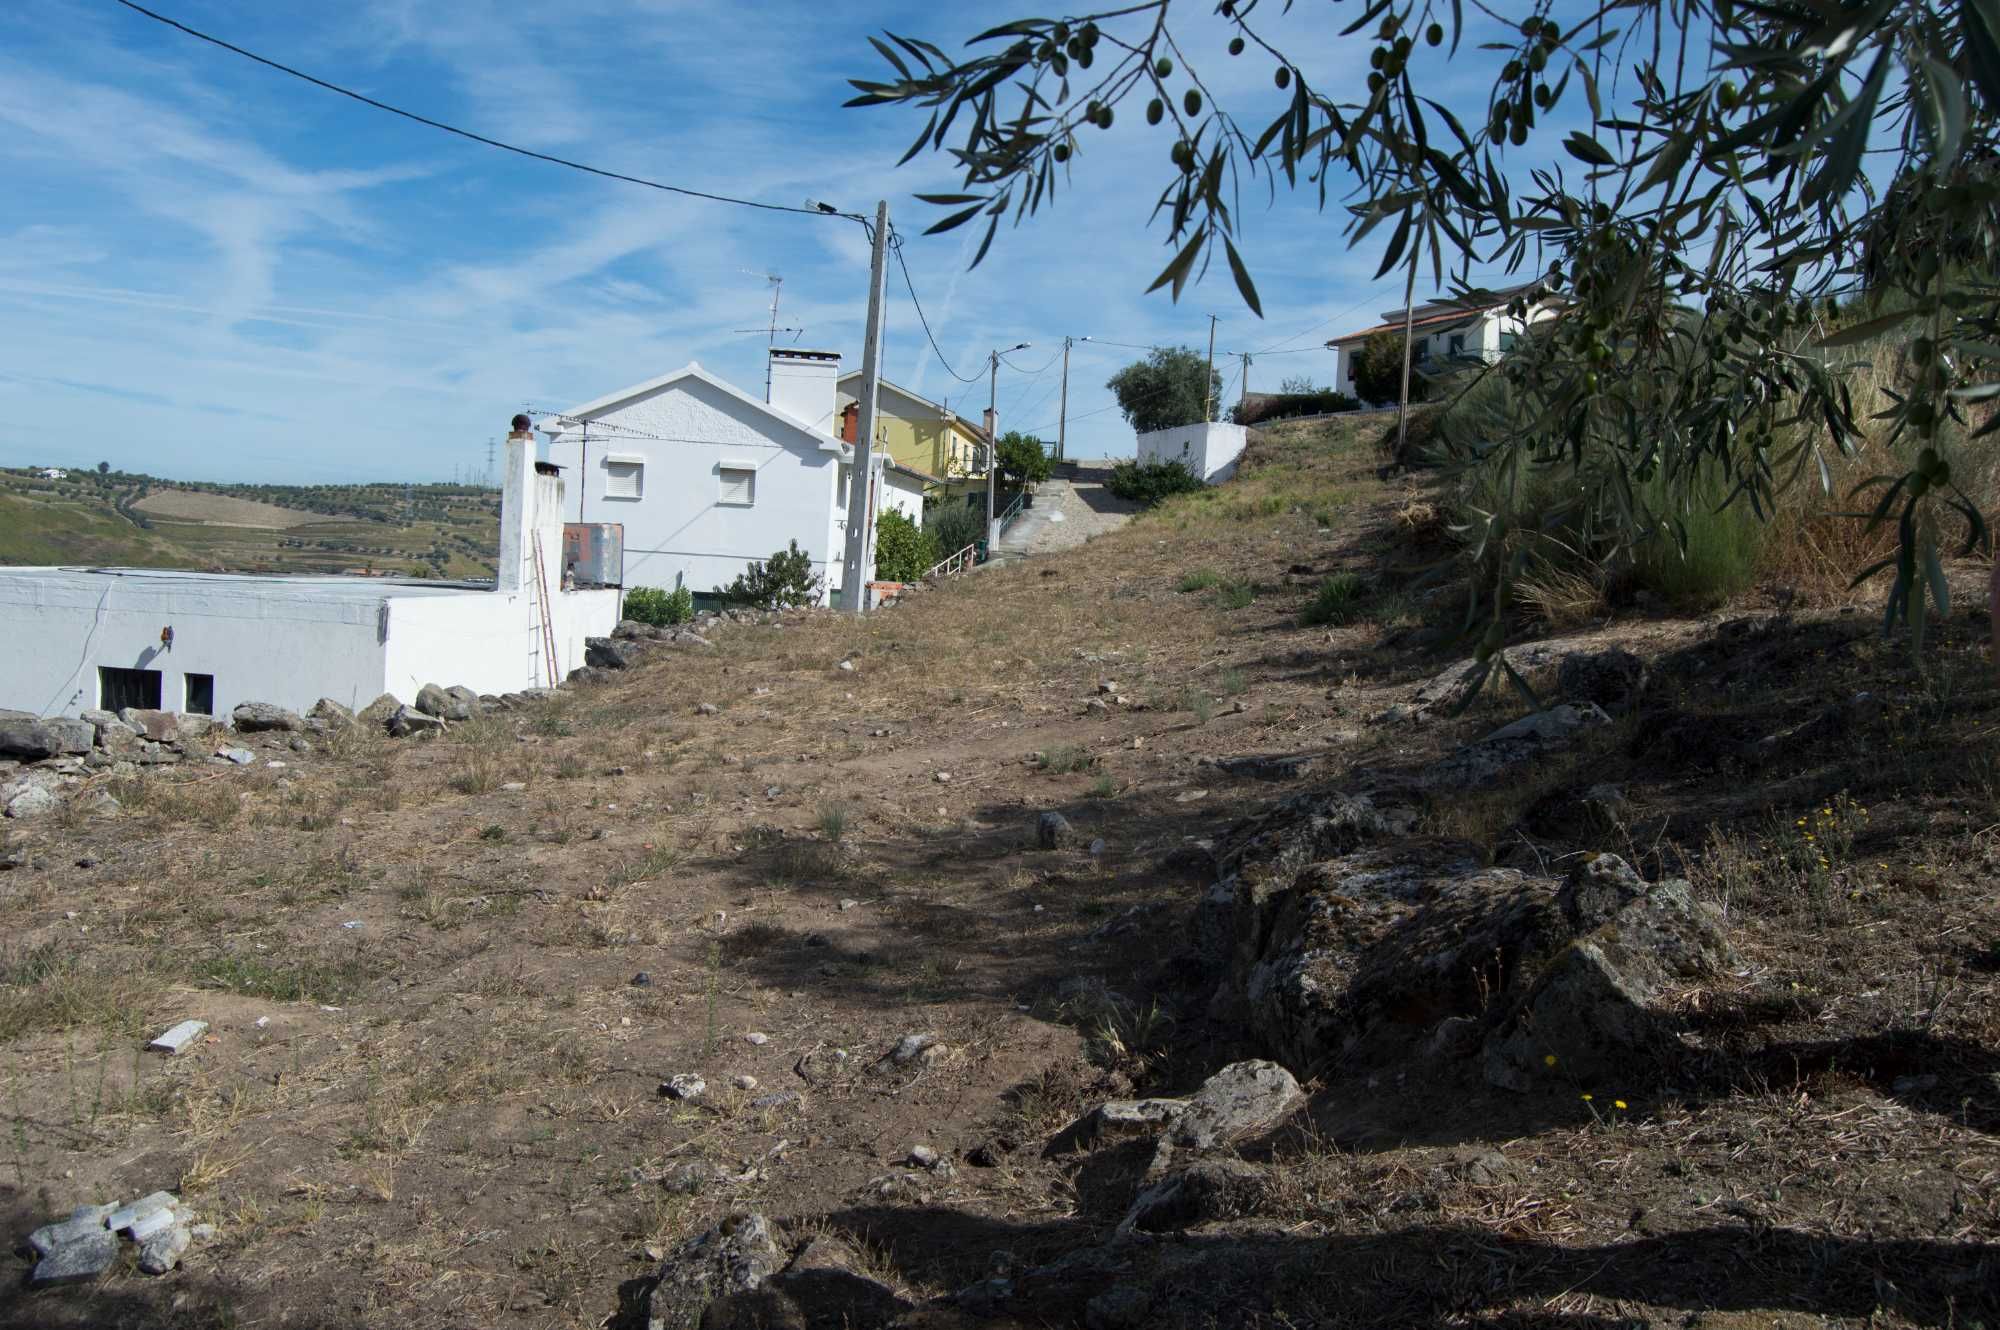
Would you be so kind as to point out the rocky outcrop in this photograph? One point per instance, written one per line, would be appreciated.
(257, 717)
(736, 1276)
(1388, 947)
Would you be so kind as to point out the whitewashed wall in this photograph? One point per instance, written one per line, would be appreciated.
(489, 641)
(1209, 451)
(275, 643)
(678, 527)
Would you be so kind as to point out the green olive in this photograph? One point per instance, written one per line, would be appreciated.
(1435, 34)
(1061, 152)
(1283, 76)
(1156, 111)
(1163, 68)
(1236, 46)
(1191, 103)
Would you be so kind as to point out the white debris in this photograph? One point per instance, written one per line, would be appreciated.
(174, 1040)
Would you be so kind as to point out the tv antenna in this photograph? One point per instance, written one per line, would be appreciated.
(771, 332)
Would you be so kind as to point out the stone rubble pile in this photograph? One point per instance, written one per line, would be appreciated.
(87, 1243)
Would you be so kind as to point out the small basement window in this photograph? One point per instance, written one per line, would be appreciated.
(624, 478)
(739, 486)
(200, 695)
(118, 689)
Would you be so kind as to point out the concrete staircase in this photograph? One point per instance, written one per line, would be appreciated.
(1070, 507)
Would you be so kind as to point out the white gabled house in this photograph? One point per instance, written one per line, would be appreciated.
(1452, 329)
(704, 478)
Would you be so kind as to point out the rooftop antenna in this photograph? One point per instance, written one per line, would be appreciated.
(771, 333)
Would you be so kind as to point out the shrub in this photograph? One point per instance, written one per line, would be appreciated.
(1334, 602)
(1170, 387)
(1236, 596)
(1201, 579)
(661, 608)
(1284, 406)
(784, 581)
(954, 526)
(1024, 459)
(1150, 482)
(903, 550)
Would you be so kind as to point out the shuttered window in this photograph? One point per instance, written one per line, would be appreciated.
(739, 486)
(624, 480)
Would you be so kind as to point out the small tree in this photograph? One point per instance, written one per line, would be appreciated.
(1298, 383)
(784, 581)
(954, 526)
(1171, 386)
(1378, 370)
(1023, 458)
(903, 550)
(104, 468)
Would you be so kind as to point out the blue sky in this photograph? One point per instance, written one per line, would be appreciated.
(212, 271)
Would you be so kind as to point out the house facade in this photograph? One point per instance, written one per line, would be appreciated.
(704, 478)
(924, 436)
(202, 642)
(1449, 330)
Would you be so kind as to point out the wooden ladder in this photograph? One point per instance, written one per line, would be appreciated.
(548, 633)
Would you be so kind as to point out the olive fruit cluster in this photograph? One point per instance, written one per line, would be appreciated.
(1514, 116)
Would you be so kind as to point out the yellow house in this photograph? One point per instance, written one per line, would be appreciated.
(920, 434)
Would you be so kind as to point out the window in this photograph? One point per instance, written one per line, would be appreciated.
(739, 486)
(1507, 341)
(200, 695)
(624, 478)
(1184, 447)
(1458, 344)
(118, 689)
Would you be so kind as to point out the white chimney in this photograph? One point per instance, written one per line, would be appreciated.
(804, 385)
(517, 511)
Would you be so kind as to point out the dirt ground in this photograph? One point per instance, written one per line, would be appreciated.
(446, 980)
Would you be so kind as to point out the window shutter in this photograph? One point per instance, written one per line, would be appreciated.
(624, 480)
(739, 486)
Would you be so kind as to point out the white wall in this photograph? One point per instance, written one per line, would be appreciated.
(804, 385)
(1210, 451)
(678, 527)
(277, 643)
(489, 641)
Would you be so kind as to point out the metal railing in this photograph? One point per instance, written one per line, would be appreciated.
(956, 563)
(1013, 512)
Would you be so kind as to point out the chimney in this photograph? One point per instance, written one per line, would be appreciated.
(517, 510)
(803, 386)
(850, 422)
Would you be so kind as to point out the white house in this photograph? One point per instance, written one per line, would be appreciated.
(1210, 451)
(54, 473)
(77, 638)
(1450, 329)
(705, 478)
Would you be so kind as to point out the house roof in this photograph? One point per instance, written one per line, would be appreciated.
(945, 413)
(692, 370)
(1437, 316)
(924, 476)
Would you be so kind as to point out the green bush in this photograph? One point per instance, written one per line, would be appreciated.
(1023, 458)
(1284, 406)
(651, 604)
(903, 550)
(1150, 482)
(954, 526)
(1201, 579)
(1334, 602)
(784, 581)
(1235, 596)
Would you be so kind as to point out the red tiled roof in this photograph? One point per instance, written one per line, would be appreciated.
(1455, 316)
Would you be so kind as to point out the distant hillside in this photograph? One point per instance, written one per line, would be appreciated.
(119, 517)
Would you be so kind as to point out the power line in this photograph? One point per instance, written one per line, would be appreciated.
(481, 138)
(896, 242)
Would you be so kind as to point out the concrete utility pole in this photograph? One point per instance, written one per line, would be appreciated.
(993, 438)
(854, 589)
(1243, 392)
(1409, 324)
(1062, 416)
(1208, 381)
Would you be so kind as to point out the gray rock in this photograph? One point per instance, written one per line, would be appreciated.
(82, 1222)
(1552, 726)
(607, 654)
(158, 726)
(916, 1048)
(590, 674)
(631, 630)
(82, 1257)
(736, 1257)
(1241, 1100)
(1200, 1192)
(138, 1218)
(693, 1178)
(1053, 831)
(331, 713)
(256, 717)
(685, 1086)
(71, 735)
(29, 801)
(1125, 1119)
(445, 703)
(705, 709)
(242, 757)
(379, 711)
(1611, 678)
(778, 1099)
(162, 1252)
(190, 726)
(29, 740)
(408, 721)
(97, 803)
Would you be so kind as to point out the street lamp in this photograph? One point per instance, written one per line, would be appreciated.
(993, 437)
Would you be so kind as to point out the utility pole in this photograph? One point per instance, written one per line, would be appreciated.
(1409, 324)
(1245, 391)
(489, 462)
(993, 438)
(854, 582)
(1208, 381)
(1062, 417)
